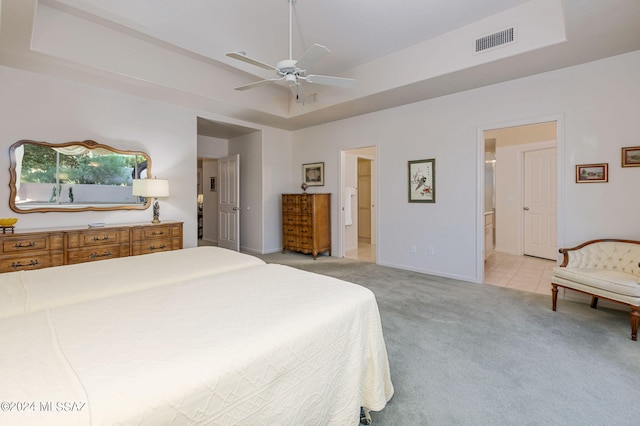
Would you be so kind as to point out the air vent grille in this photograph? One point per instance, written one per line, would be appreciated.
(494, 40)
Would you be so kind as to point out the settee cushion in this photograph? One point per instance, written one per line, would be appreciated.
(606, 279)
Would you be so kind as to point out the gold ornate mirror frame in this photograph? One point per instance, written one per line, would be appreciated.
(74, 176)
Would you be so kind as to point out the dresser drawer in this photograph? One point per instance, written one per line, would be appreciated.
(32, 243)
(289, 200)
(305, 220)
(290, 230)
(102, 237)
(91, 254)
(155, 245)
(290, 242)
(155, 232)
(27, 261)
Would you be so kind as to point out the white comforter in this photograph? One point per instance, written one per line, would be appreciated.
(263, 345)
(28, 291)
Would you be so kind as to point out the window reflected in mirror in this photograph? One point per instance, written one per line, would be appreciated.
(74, 176)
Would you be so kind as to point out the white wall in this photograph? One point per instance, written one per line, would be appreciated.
(599, 103)
(48, 109)
(277, 178)
(209, 147)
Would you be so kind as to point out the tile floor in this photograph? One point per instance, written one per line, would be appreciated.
(365, 252)
(519, 272)
(524, 273)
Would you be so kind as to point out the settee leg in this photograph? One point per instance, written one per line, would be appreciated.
(635, 320)
(554, 296)
(594, 302)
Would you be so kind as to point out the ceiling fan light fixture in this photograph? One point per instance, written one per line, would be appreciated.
(291, 80)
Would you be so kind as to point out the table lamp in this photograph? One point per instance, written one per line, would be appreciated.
(154, 188)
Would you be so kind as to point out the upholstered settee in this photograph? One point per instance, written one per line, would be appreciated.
(606, 269)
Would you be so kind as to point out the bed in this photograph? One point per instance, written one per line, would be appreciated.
(242, 343)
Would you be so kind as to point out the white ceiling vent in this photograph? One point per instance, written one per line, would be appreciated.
(494, 40)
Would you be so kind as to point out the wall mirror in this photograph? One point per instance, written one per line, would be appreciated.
(74, 176)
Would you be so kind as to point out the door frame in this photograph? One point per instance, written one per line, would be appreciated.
(559, 120)
(340, 202)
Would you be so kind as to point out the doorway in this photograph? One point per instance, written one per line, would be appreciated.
(358, 226)
(521, 204)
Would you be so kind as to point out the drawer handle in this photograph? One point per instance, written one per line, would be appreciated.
(154, 233)
(33, 262)
(157, 248)
(96, 255)
(20, 245)
(105, 238)
(304, 231)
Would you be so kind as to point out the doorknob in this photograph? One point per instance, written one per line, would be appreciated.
(525, 208)
(236, 208)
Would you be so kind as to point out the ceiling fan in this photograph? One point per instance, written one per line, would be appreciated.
(292, 72)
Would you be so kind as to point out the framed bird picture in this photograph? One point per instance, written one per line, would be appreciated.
(422, 181)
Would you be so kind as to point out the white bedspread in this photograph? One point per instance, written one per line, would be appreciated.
(263, 345)
(28, 291)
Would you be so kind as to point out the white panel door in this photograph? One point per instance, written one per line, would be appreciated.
(229, 202)
(540, 203)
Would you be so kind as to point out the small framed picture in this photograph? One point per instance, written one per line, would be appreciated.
(212, 184)
(592, 173)
(422, 181)
(631, 156)
(313, 174)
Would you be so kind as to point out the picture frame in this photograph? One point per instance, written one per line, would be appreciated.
(592, 173)
(422, 181)
(213, 184)
(313, 174)
(631, 156)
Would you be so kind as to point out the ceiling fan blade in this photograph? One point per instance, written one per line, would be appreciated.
(241, 56)
(330, 81)
(311, 56)
(258, 83)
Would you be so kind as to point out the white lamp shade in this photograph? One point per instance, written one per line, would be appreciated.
(151, 187)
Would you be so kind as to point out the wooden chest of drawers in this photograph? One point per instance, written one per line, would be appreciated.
(31, 251)
(306, 223)
(26, 250)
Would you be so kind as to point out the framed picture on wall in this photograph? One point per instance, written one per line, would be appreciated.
(313, 174)
(592, 173)
(422, 181)
(212, 184)
(631, 156)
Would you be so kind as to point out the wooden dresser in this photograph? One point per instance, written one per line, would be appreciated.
(306, 223)
(36, 249)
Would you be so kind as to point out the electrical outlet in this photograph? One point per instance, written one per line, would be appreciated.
(432, 251)
(413, 248)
